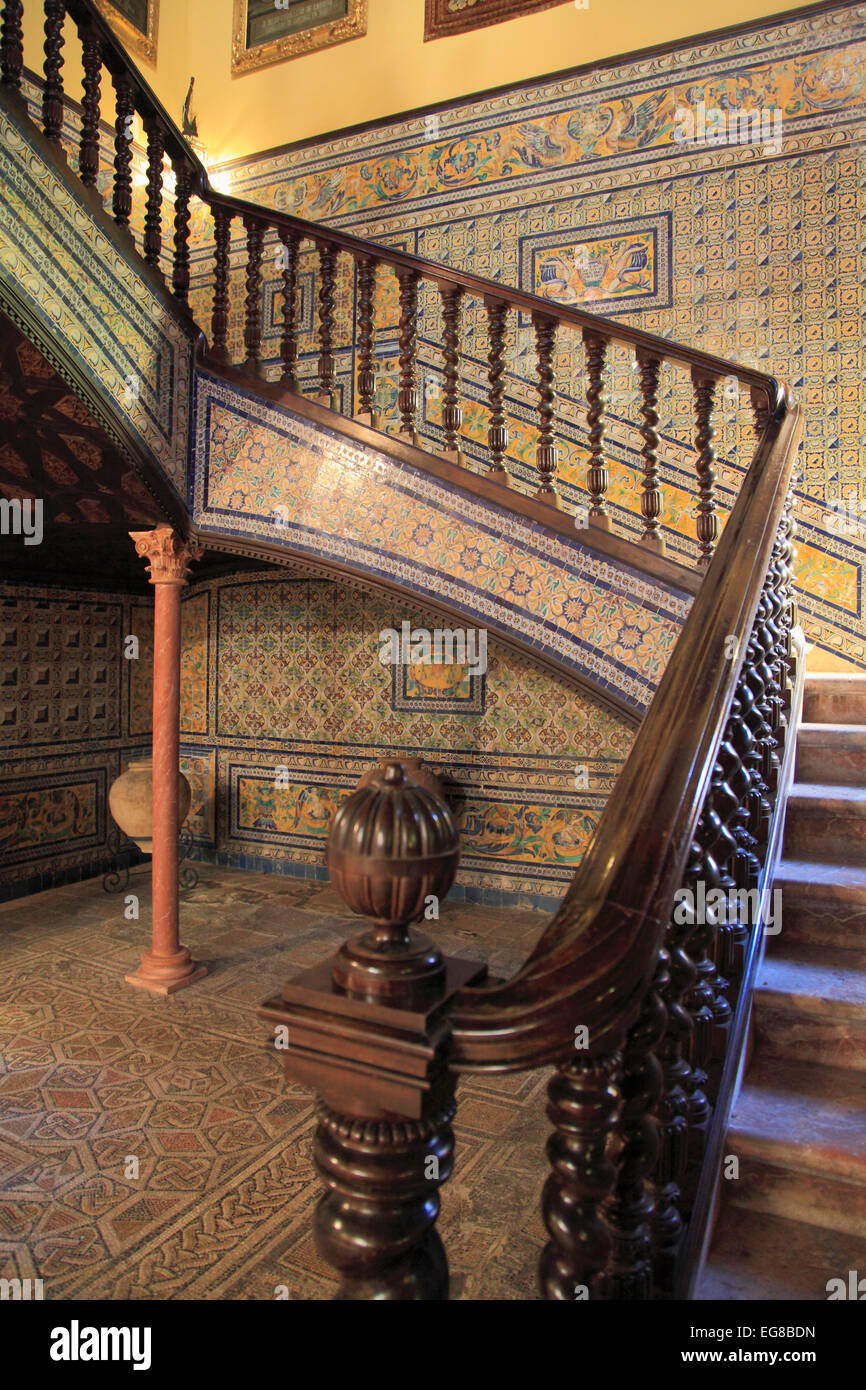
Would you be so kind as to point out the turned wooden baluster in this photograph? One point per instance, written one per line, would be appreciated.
(290, 242)
(497, 429)
(760, 410)
(718, 846)
(583, 1101)
(367, 339)
(595, 347)
(327, 361)
(746, 866)
(52, 95)
(631, 1208)
(12, 45)
(545, 454)
(407, 395)
(672, 1111)
(708, 522)
(651, 497)
(452, 411)
(376, 1222)
(222, 221)
(253, 303)
(88, 150)
(699, 1001)
(153, 213)
(183, 175)
(124, 114)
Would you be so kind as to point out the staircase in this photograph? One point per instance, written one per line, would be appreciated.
(435, 506)
(796, 1216)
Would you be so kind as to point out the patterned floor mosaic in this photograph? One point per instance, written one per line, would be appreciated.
(93, 1073)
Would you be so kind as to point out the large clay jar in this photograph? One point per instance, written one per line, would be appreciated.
(392, 846)
(130, 800)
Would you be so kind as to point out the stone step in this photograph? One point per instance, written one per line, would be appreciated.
(834, 699)
(799, 1132)
(822, 904)
(810, 1005)
(756, 1255)
(831, 753)
(826, 822)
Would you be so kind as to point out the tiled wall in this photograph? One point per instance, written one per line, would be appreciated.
(66, 726)
(89, 300)
(281, 673)
(285, 674)
(578, 189)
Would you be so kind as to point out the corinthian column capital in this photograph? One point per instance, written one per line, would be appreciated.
(169, 554)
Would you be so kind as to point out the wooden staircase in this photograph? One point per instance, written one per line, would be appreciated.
(796, 1215)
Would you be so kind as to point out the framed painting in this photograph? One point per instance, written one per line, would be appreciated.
(135, 22)
(444, 18)
(265, 32)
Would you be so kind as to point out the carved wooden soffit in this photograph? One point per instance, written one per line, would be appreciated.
(169, 554)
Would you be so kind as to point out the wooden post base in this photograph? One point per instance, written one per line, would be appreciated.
(375, 1224)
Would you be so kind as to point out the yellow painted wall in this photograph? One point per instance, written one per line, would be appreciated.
(391, 69)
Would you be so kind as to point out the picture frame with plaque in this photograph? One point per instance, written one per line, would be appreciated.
(264, 34)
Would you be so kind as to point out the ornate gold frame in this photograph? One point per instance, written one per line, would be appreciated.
(132, 38)
(293, 45)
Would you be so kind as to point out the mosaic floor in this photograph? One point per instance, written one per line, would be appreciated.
(93, 1073)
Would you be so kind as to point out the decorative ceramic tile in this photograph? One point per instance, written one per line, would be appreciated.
(765, 264)
(260, 470)
(609, 268)
(93, 300)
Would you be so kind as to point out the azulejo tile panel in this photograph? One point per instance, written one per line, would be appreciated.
(300, 706)
(91, 297)
(262, 471)
(607, 267)
(765, 267)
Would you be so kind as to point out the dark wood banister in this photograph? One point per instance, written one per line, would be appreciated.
(593, 962)
(148, 106)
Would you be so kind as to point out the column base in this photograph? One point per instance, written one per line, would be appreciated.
(166, 974)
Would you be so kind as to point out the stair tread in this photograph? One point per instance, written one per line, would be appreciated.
(824, 679)
(819, 873)
(821, 979)
(811, 792)
(805, 1116)
(773, 1258)
(811, 732)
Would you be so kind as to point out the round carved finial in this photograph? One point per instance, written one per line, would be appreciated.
(393, 846)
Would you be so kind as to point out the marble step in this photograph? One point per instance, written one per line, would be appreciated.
(834, 699)
(810, 1004)
(832, 753)
(756, 1255)
(826, 822)
(823, 904)
(799, 1132)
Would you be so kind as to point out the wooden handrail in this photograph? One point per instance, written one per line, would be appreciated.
(593, 963)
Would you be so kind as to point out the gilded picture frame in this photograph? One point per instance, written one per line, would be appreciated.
(445, 18)
(139, 36)
(306, 39)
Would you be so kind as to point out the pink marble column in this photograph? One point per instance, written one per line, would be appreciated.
(167, 966)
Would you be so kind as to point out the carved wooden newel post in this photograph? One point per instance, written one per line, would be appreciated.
(167, 966)
(368, 1030)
